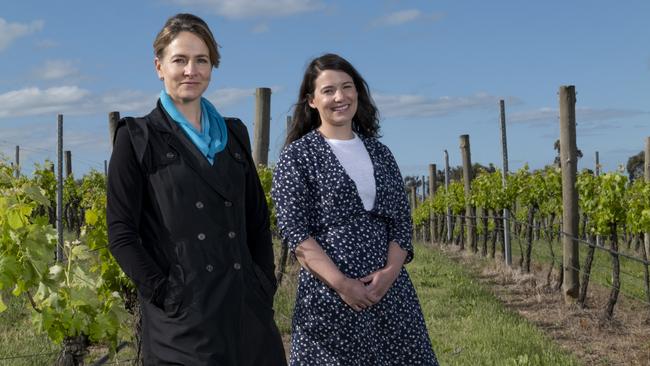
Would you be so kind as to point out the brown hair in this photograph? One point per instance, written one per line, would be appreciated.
(186, 23)
(306, 118)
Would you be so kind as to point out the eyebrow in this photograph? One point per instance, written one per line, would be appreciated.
(332, 85)
(186, 56)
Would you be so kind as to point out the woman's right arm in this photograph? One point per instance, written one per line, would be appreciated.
(123, 208)
(314, 259)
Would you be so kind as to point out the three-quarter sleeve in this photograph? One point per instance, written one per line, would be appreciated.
(400, 224)
(289, 193)
(123, 212)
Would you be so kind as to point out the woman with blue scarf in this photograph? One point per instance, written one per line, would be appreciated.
(187, 218)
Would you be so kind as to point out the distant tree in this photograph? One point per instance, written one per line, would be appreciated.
(556, 147)
(635, 166)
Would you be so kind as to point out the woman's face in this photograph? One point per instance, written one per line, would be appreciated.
(335, 98)
(185, 68)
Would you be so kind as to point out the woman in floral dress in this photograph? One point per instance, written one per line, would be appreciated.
(342, 209)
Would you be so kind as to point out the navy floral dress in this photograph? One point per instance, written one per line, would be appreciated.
(315, 197)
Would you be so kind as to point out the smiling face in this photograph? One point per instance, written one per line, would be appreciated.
(185, 68)
(335, 98)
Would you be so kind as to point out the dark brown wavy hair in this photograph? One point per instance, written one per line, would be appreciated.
(305, 118)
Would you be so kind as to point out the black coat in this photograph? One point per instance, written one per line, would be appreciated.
(195, 240)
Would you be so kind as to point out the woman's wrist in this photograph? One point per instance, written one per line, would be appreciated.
(393, 269)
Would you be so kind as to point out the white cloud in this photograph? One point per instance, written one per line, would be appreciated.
(131, 101)
(36, 101)
(11, 31)
(73, 100)
(402, 17)
(56, 69)
(583, 115)
(229, 96)
(420, 106)
(238, 9)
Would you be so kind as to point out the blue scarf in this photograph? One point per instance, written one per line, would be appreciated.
(213, 136)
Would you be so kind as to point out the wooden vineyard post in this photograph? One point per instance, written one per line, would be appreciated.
(17, 161)
(470, 216)
(262, 126)
(59, 189)
(448, 216)
(646, 174)
(569, 162)
(432, 191)
(507, 250)
(68, 162)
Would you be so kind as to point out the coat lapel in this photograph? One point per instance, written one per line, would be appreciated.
(177, 139)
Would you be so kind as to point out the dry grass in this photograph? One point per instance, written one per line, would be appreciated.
(625, 340)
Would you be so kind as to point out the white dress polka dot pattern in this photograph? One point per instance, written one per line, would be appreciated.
(315, 197)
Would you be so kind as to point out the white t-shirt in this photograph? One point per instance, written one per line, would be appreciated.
(354, 158)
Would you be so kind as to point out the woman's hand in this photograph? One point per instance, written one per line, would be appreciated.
(379, 282)
(354, 293)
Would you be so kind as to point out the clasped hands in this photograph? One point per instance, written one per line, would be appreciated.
(364, 292)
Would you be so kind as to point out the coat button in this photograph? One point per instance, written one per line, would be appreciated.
(232, 235)
(227, 203)
(199, 205)
(209, 268)
(237, 266)
(201, 236)
(237, 156)
(170, 155)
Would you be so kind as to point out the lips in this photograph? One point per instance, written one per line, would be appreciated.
(341, 108)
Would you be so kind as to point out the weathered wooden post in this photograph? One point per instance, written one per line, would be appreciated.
(432, 191)
(470, 215)
(569, 164)
(597, 172)
(17, 162)
(262, 126)
(504, 179)
(68, 162)
(59, 189)
(414, 195)
(113, 118)
(448, 220)
(646, 173)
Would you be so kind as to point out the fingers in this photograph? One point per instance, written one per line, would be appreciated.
(368, 278)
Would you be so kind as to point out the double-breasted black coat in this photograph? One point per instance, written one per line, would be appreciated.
(195, 240)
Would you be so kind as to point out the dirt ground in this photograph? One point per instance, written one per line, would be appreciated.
(625, 340)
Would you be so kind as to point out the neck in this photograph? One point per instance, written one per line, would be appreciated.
(336, 132)
(191, 111)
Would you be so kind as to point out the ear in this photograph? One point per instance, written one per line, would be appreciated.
(310, 101)
(158, 66)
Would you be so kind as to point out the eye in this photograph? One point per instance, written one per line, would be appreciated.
(178, 60)
(203, 61)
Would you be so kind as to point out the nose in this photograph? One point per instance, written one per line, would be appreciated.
(338, 95)
(190, 68)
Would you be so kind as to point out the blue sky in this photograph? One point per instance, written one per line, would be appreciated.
(437, 69)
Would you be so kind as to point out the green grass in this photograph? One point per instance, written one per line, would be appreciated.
(467, 325)
(17, 337)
